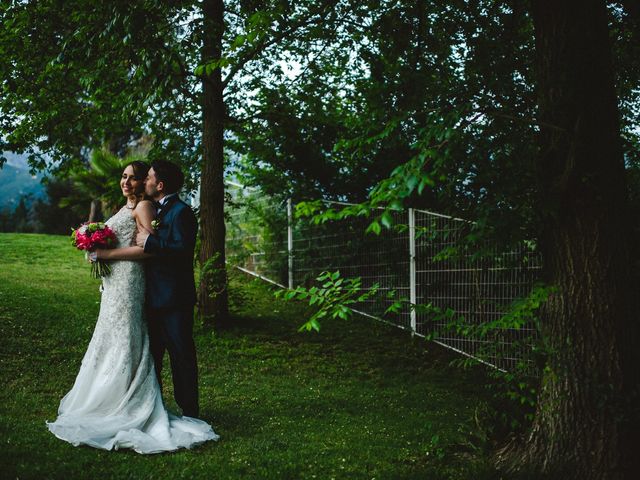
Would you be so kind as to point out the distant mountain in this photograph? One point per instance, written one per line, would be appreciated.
(15, 181)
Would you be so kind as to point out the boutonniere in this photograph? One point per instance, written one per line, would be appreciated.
(155, 224)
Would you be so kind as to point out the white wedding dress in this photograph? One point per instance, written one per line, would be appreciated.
(116, 401)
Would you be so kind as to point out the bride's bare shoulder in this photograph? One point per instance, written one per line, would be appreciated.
(144, 206)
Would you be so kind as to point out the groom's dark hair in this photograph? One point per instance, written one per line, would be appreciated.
(169, 174)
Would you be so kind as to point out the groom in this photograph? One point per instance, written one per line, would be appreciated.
(170, 288)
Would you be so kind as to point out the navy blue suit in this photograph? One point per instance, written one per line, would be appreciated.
(170, 298)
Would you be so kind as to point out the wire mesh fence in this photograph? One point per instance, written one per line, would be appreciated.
(418, 263)
(256, 239)
(479, 288)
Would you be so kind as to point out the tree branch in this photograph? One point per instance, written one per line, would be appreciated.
(268, 42)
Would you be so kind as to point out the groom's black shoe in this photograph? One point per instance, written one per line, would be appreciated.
(190, 414)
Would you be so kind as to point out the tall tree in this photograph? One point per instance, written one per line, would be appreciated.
(584, 426)
(213, 295)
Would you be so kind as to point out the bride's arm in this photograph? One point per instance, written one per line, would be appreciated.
(144, 214)
(126, 253)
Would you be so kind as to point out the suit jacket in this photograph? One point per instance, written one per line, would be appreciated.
(169, 273)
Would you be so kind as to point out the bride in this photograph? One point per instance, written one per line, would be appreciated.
(116, 400)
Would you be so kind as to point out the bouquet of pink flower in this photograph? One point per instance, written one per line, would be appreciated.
(92, 235)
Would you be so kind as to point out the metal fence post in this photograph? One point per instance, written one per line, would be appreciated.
(290, 240)
(412, 268)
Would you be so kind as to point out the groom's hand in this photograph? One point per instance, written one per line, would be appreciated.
(141, 238)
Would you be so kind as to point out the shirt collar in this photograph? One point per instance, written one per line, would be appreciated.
(166, 198)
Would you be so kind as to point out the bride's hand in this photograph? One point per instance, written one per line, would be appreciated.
(102, 254)
(141, 237)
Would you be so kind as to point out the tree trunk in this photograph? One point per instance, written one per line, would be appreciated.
(583, 428)
(213, 285)
(95, 211)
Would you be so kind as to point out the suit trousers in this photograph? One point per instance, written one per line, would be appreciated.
(171, 329)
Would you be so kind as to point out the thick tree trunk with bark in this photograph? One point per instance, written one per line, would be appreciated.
(583, 427)
(213, 286)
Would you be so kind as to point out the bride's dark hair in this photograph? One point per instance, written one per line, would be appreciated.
(140, 171)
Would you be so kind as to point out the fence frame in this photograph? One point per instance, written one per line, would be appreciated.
(412, 272)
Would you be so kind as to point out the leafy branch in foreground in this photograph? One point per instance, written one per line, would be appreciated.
(332, 299)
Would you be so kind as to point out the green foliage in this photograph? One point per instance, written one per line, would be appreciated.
(21, 219)
(397, 104)
(405, 104)
(213, 275)
(65, 87)
(56, 214)
(76, 74)
(332, 299)
(319, 212)
(415, 104)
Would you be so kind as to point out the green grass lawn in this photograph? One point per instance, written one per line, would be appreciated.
(358, 400)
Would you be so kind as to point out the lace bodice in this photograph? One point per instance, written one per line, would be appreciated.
(124, 226)
(126, 281)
